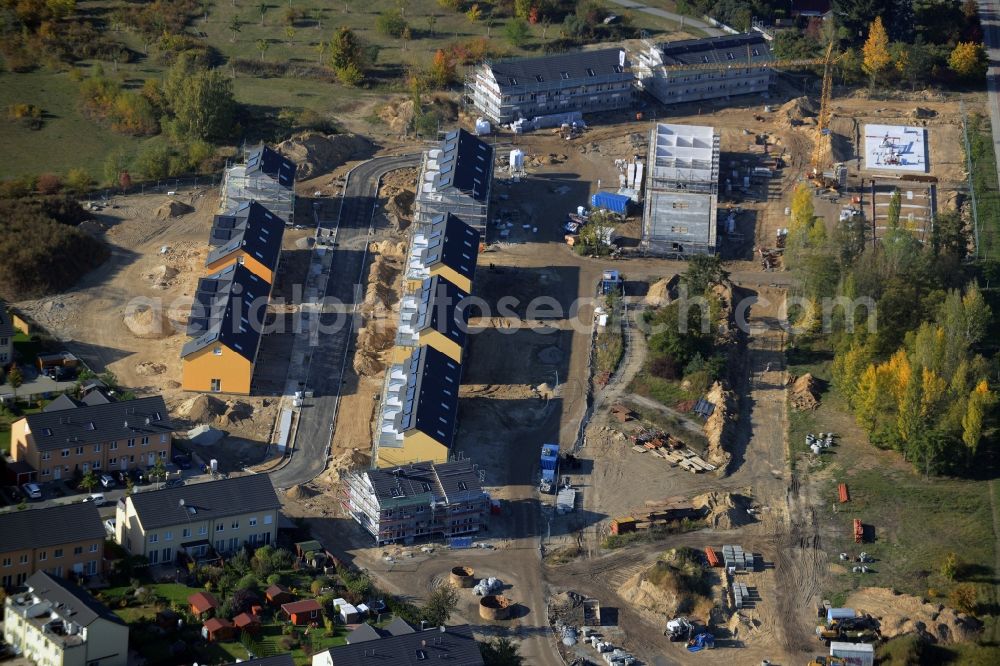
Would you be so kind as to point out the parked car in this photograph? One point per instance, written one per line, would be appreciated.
(109, 526)
(182, 461)
(107, 481)
(97, 498)
(60, 373)
(32, 490)
(174, 483)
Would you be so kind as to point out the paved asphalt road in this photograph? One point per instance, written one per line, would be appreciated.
(990, 21)
(662, 13)
(326, 370)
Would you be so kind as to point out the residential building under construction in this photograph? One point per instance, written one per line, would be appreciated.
(422, 499)
(455, 178)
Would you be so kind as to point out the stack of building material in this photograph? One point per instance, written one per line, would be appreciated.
(565, 500)
(842, 493)
(735, 558)
(859, 531)
(713, 559)
(740, 594)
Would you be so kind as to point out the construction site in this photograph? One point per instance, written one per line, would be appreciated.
(647, 512)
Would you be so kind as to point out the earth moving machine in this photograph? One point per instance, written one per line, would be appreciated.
(827, 661)
(678, 629)
(860, 629)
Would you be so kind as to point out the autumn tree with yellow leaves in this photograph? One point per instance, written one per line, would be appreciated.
(876, 58)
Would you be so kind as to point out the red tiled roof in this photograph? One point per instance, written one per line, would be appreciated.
(214, 624)
(245, 620)
(303, 606)
(202, 602)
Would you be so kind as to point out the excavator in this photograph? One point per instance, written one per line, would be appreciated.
(828, 661)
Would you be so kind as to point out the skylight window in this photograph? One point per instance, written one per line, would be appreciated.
(590, 72)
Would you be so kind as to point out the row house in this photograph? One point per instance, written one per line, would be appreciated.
(64, 540)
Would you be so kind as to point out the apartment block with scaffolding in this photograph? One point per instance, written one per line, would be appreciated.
(266, 177)
(505, 91)
(456, 177)
(693, 70)
(682, 185)
(419, 500)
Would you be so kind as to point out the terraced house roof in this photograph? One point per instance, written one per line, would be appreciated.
(82, 424)
(552, 69)
(430, 399)
(205, 501)
(272, 163)
(465, 164)
(253, 229)
(52, 526)
(229, 308)
(453, 243)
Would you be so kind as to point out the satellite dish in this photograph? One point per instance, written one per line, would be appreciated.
(180, 502)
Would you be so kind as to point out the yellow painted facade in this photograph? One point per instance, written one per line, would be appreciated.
(448, 273)
(429, 338)
(248, 261)
(417, 446)
(229, 367)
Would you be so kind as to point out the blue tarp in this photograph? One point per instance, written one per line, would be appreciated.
(460, 542)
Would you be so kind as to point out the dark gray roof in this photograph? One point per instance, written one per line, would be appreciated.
(6, 326)
(738, 49)
(83, 424)
(364, 632)
(551, 69)
(62, 402)
(229, 307)
(213, 499)
(455, 645)
(430, 401)
(274, 164)
(440, 307)
(52, 526)
(465, 164)
(453, 243)
(85, 609)
(284, 659)
(450, 481)
(398, 627)
(254, 229)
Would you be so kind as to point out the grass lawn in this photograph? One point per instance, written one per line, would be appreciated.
(6, 418)
(665, 391)
(984, 180)
(69, 140)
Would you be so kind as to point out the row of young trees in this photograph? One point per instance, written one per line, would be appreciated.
(919, 380)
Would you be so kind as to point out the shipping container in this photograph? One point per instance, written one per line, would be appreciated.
(839, 614)
(616, 203)
(854, 654)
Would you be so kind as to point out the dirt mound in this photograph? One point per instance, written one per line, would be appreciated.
(380, 296)
(723, 511)
(316, 153)
(718, 426)
(797, 111)
(148, 323)
(399, 208)
(347, 462)
(390, 249)
(397, 116)
(201, 408)
(149, 368)
(236, 412)
(172, 209)
(659, 292)
(300, 492)
(901, 614)
(161, 276)
(804, 393)
(673, 584)
(922, 113)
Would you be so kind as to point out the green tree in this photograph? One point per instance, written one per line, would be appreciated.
(235, 26)
(88, 482)
(500, 651)
(346, 49)
(949, 567)
(78, 180)
(964, 597)
(517, 31)
(15, 378)
(441, 603)
(262, 46)
(522, 8)
(350, 75)
(474, 13)
(262, 8)
(979, 401)
(703, 272)
(201, 101)
(114, 165)
(159, 470)
(895, 206)
(153, 161)
(391, 23)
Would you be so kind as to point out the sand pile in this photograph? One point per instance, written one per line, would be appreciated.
(172, 209)
(380, 295)
(161, 276)
(146, 322)
(901, 614)
(373, 339)
(804, 393)
(668, 587)
(389, 249)
(399, 207)
(201, 408)
(300, 492)
(718, 426)
(316, 153)
(723, 511)
(346, 462)
(397, 116)
(659, 293)
(797, 111)
(235, 412)
(149, 368)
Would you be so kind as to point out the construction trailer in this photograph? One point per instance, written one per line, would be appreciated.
(550, 468)
(509, 90)
(853, 654)
(693, 70)
(682, 186)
